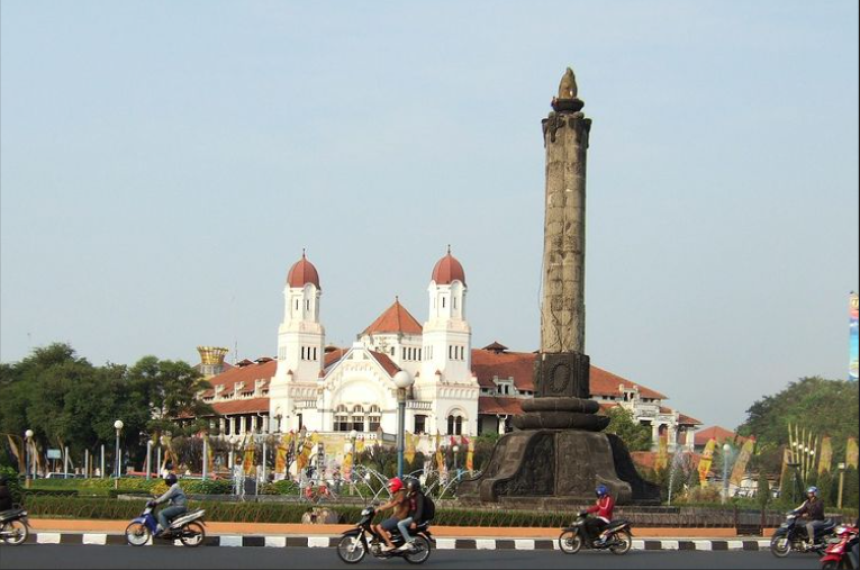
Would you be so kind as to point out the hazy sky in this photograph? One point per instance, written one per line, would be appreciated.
(163, 165)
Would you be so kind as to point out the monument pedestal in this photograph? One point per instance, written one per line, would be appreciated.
(558, 465)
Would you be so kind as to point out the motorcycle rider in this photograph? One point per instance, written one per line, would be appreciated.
(415, 516)
(5, 495)
(178, 503)
(603, 514)
(400, 504)
(813, 509)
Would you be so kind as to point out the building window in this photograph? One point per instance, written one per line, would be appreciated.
(420, 424)
(358, 418)
(341, 419)
(455, 425)
(443, 302)
(375, 418)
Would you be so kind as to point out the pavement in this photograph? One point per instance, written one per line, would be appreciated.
(234, 534)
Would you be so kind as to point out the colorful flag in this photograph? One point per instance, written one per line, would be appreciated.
(440, 455)
(470, 454)
(706, 461)
(346, 468)
(662, 460)
(741, 463)
(248, 463)
(853, 337)
(409, 454)
(281, 454)
(211, 456)
(851, 452)
(826, 456)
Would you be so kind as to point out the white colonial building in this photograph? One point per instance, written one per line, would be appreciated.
(457, 390)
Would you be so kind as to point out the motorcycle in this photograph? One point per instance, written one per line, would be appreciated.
(791, 536)
(188, 528)
(840, 553)
(618, 537)
(357, 542)
(14, 526)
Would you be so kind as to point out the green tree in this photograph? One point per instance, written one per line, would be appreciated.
(622, 423)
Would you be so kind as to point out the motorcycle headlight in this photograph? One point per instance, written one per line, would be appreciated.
(839, 529)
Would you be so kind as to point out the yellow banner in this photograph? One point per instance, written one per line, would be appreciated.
(741, 463)
(359, 445)
(662, 460)
(281, 454)
(210, 460)
(851, 452)
(470, 455)
(706, 461)
(440, 455)
(305, 455)
(825, 460)
(409, 454)
(346, 468)
(248, 462)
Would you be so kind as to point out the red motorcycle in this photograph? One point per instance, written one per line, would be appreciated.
(841, 553)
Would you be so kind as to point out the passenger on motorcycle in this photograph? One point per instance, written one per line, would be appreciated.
(603, 514)
(415, 515)
(5, 495)
(813, 509)
(178, 503)
(400, 504)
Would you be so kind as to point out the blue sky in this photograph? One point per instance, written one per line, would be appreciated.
(163, 165)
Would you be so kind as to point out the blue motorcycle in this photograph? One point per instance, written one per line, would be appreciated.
(188, 528)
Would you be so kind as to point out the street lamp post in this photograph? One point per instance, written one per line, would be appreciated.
(727, 449)
(29, 435)
(842, 468)
(118, 426)
(456, 450)
(403, 380)
(148, 458)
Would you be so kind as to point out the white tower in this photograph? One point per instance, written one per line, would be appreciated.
(301, 340)
(446, 373)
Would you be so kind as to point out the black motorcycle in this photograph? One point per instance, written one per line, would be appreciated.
(357, 542)
(14, 526)
(791, 536)
(618, 537)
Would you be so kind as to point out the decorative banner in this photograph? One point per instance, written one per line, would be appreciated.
(706, 461)
(248, 461)
(662, 460)
(409, 454)
(470, 453)
(826, 457)
(346, 467)
(211, 458)
(359, 445)
(851, 452)
(786, 459)
(741, 462)
(853, 337)
(305, 454)
(440, 455)
(281, 454)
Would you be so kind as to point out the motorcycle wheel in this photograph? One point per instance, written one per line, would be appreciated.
(351, 549)
(830, 565)
(193, 534)
(624, 543)
(137, 534)
(780, 546)
(420, 551)
(570, 542)
(14, 532)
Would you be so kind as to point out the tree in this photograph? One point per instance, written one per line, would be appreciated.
(622, 423)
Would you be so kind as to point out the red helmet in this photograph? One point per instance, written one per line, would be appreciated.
(395, 484)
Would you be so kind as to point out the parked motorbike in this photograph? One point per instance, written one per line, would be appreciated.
(791, 536)
(841, 552)
(188, 528)
(618, 537)
(14, 526)
(357, 542)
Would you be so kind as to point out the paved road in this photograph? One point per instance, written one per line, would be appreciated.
(48, 556)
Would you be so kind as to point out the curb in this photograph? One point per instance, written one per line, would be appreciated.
(281, 541)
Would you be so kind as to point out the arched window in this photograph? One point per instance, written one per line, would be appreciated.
(374, 418)
(341, 419)
(358, 418)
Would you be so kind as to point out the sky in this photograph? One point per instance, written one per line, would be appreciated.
(162, 165)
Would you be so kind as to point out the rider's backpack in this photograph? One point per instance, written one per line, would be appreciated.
(429, 509)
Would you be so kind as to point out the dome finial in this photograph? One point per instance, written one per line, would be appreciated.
(567, 89)
(303, 253)
(449, 249)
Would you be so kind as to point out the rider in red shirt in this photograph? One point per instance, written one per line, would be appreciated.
(602, 511)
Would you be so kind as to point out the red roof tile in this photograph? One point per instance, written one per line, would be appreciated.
(247, 374)
(386, 362)
(448, 270)
(333, 356)
(716, 432)
(241, 406)
(302, 273)
(488, 405)
(395, 319)
(487, 364)
(685, 420)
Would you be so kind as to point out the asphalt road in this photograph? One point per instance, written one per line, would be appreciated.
(49, 556)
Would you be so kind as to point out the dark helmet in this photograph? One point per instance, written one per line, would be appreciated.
(170, 479)
(413, 485)
(601, 491)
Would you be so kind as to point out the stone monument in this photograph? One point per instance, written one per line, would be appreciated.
(558, 453)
